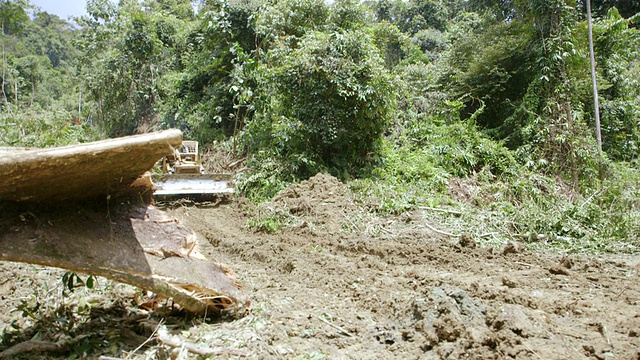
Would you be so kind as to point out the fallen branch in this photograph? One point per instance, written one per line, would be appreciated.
(350, 221)
(341, 329)
(605, 332)
(440, 231)
(595, 193)
(35, 346)
(40, 346)
(383, 229)
(621, 292)
(204, 351)
(236, 163)
(452, 212)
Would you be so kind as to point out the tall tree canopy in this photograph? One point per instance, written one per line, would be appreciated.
(317, 84)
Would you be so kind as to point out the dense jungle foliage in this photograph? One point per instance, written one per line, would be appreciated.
(481, 106)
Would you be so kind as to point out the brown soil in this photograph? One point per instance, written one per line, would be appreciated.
(339, 282)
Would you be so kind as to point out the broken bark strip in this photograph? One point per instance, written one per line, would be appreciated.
(134, 244)
(95, 169)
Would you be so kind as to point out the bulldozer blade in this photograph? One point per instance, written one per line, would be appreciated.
(192, 186)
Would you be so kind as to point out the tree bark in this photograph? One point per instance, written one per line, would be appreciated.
(131, 243)
(97, 169)
(594, 85)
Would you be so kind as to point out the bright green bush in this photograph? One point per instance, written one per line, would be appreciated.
(329, 101)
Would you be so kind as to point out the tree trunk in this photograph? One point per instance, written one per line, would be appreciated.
(134, 244)
(61, 207)
(4, 74)
(594, 84)
(98, 169)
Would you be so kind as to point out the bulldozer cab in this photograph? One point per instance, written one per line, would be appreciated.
(185, 160)
(188, 151)
(188, 159)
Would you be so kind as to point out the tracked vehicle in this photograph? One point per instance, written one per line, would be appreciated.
(183, 176)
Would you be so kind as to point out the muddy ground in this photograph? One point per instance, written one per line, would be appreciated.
(341, 282)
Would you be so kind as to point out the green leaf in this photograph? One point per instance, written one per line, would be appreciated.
(89, 282)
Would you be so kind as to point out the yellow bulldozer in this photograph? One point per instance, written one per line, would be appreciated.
(183, 176)
(185, 160)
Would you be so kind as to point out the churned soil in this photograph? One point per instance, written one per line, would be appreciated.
(339, 281)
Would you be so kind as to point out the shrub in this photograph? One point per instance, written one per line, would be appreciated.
(329, 102)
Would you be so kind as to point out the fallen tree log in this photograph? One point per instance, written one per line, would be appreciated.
(95, 169)
(79, 208)
(135, 244)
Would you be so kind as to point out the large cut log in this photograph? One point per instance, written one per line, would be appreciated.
(73, 208)
(96, 169)
(135, 244)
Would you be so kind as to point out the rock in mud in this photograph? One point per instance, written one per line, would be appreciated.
(448, 315)
(467, 241)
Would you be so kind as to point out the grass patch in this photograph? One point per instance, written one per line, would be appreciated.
(538, 210)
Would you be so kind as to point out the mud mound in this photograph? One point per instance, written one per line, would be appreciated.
(322, 187)
(321, 202)
(322, 193)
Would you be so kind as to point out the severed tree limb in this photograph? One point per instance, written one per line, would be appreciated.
(175, 342)
(35, 346)
(339, 328)
(32, 346)
(440, 231)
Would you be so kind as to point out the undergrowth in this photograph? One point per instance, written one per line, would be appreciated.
(500, 196)
(501, 200)
(67, 313)
(40, 129)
